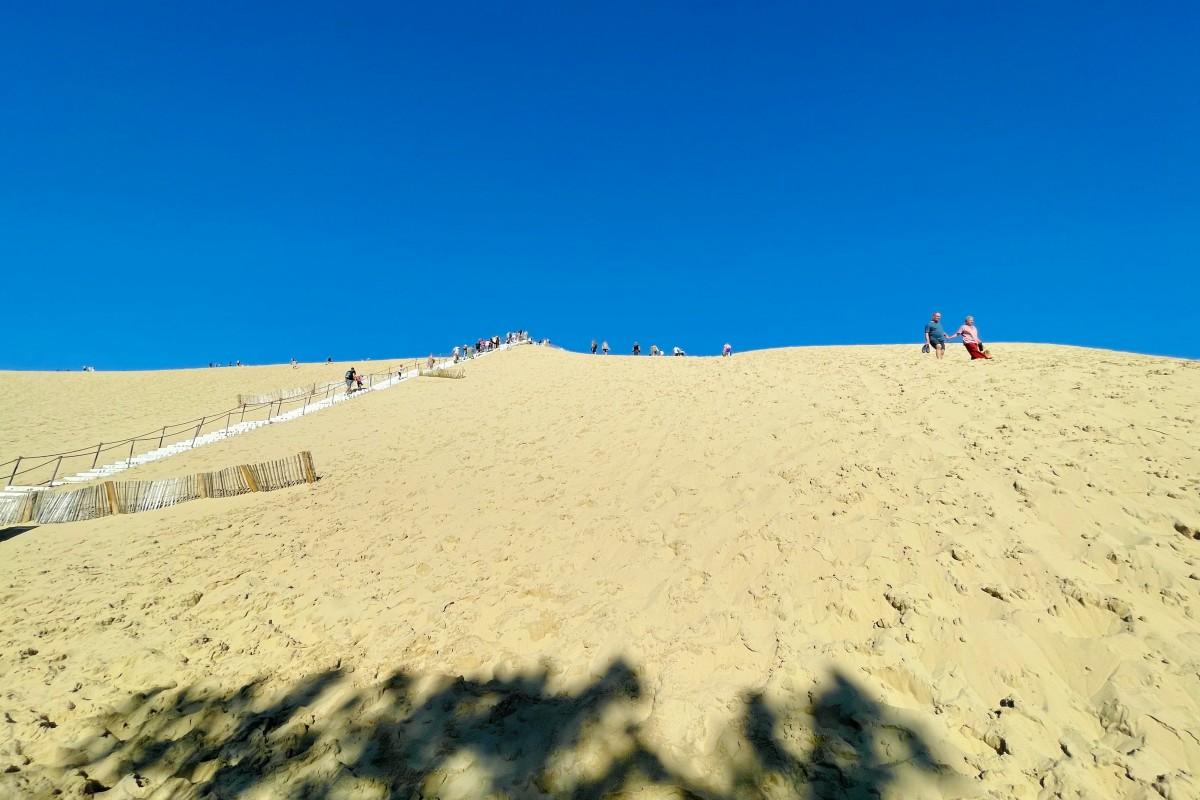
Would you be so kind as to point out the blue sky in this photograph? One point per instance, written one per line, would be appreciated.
(185, 183)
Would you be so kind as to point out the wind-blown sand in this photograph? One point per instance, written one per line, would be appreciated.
(820, 572)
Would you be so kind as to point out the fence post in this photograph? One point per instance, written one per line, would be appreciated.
(248, 476)
(270, 411)
(304, 410)
(96, 459)
(162, 436)
(57, 464)
(132, 442)
(198, 427)
(310, 472)
(13, 477)
(243, 419)
(228, 417)
(110, 490)
(31, 500)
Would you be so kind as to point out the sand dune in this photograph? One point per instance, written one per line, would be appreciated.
(77, 412)
(819, 572)
(49, 412)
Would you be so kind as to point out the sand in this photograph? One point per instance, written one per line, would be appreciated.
(54, 412)
(819, 572)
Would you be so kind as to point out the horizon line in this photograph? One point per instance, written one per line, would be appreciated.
(586, 352)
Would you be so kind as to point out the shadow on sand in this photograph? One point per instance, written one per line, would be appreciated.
(15, 531)
(413, 737)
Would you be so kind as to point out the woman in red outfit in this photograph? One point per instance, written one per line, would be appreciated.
(970, 337)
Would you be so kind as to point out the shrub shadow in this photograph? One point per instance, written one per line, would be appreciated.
(413, 736)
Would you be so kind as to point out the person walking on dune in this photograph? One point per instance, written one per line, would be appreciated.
(351, 374)
(593, 347)
(935, 336)
(637, 349)
(727, 350)
(970, 338)
(604, 348)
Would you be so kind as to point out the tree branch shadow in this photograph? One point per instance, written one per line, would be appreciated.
(856, 748)
(413, 736)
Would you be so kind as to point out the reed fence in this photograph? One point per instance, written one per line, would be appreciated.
(132, 497)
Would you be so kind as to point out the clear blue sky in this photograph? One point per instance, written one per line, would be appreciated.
(187, 182)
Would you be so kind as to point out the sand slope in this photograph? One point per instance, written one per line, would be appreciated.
(817, 572)
(54, 412)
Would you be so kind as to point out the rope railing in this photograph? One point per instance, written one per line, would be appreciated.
(178, 432)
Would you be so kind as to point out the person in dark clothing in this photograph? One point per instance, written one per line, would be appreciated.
(935, 335)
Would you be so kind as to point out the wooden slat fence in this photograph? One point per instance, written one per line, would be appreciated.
(89, 502)
(271, 475)
(131, 497)
(15, 509)
(226, 483)
(135, 496)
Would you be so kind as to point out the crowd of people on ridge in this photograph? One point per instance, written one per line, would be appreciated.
(602, 348)
(486, 345)
(354, 379)
(935, 341)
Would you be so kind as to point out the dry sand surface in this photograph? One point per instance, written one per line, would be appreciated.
(824, 572)
(53, 412)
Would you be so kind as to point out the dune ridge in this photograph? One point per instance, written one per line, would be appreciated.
(815, 572)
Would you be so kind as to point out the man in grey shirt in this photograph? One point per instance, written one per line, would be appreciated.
(935, 337)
